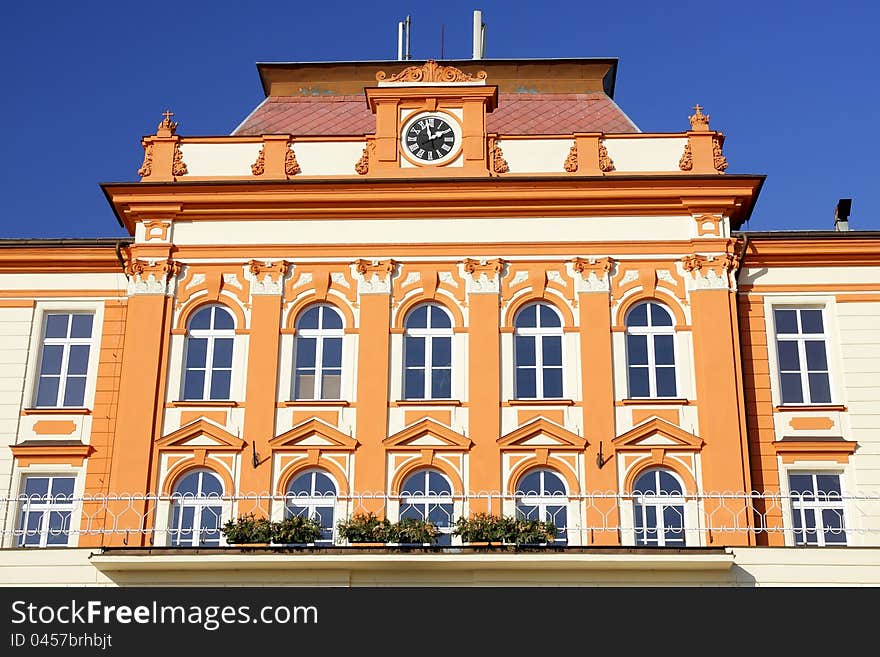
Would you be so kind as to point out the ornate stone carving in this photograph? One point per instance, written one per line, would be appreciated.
(291, 166)
(519, 277)
(718, 159)
(497, 163)
(698, 120)
(304, 279)
(362, 166)
(178, 166)
(686, 163)
(338, 278)
(167, 125)
(593, 274)
(483, 276)
(374, 276)
(431, 71)
(155, 229)
(412, 277)
(232, 279)
(710, 272)
(267, 276)
(147, 167)
(556, 277)
(151, 276)
(448, 278)
(605, 163)
(571, 162)
(258, 168)
(195, 281)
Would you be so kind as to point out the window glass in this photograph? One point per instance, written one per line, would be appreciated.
(650, 351)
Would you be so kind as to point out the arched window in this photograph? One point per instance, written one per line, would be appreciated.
(427, 495)
(313, 494)
(196, 510)
(318, 354)
(427, 353)
(209, 342)
(658, 498)
(650, 351)
(541, 495)
(537, 352)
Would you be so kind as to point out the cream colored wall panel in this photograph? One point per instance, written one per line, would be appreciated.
(860, 337)
(858, 351)
(535, 155)
(857, 366)
(645, 154)
(863, 416)
(810, 276)
(331, 158)
(220, 159)
(408, 231)
(862, 309)
(64, 281)
(12, 357)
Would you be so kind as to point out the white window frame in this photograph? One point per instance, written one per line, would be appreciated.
(542, 500)
(74, 506)
(319, 334)
(536, 332)
(198, 503)
(315, 501)
(425, 501)
(800, 338)
(429, 334)
(658, 501)
(816, 505)
(210, 334)
(651, 332)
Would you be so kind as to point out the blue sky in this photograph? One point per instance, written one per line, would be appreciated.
(793, 85)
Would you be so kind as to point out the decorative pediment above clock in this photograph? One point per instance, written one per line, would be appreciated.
(313, 434)
(428, 434)
(656, 433)
(202, 434)
(541, 432)
(430, 73)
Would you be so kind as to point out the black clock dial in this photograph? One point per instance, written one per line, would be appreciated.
(429, 139)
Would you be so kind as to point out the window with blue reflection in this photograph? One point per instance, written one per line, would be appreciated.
(427, 495)
(45, 509)
(196, 510)
(658, 508)
(427, 353)
(817, 508)
(318, 354)
(542, 495)
(802, 356)
(537, 352)
(650, 351)
(312, 494)
(64, 360)
(208, 354)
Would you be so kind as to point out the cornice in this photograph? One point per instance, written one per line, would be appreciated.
(818, 251)
(50, 259)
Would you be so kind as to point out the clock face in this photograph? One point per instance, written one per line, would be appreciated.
(430, 138)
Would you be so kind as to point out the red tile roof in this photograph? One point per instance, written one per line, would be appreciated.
(517, 114)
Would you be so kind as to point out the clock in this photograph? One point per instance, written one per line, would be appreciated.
(431, 138)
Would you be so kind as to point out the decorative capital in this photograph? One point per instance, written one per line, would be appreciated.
(151, 276)
(267, 276)
(593, 274)
(483, 276)
(699, 121)
(374, 276)
(431, 71)
(711, 272)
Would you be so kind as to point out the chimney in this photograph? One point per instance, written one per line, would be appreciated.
(479, 35)
(841, 214)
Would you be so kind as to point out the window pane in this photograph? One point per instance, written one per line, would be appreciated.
(196, 352)
(820, 388)
(637, 349)
(211, 484)
(305, 384)
(673, 525)
(414, 385)
(660, 316)
(832, 523)
(309, 319)
(553, 484)
(189, 485)
(201, 320)
(525, 350)
(62, 488)
(301, 485)
(331, 319)
(439, 318)
(786, 321)
(47, 391)
(789, 361)
(811, 321)
(414, 351)
(551, 353)
(56, 326)
(530, 484)
(332, 352)
(549, 316)
(664, 350)
(305, 351)
(75, 391)
(78, 359)
(418, 318)
(51, 361)
(527, 512)
(441, 384)
(324, 485)
(438, 484)
(222, 352)
(36, 487)
(666, 382)
(791, 389)
(210, 527)
(194, 384)
(59, 528)
(638, 382)
(638, 316)
(816, 358)
(829, 484)
(223, 319)
(414, 484)
(331, 384)
(646, 483)
(526, 387)
(552, 382)
(220, 380)
(441, 352)
(668, 483)
(800, 483)
(527, 317)
(81, 326)
(440, 514)
(30, 525)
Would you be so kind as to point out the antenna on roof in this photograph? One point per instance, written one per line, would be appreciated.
(479, 35)
(403, 39)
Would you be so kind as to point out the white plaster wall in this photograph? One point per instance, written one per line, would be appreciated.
(810, 276)
(15, 336)
(535, 155)
(66, 281)
(646, 154)
(220, 159)
(331, 158)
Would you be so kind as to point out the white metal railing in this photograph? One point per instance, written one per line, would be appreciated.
(726, 518)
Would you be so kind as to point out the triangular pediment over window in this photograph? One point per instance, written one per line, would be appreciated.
(200, 434)
(428, 434)
(314, 434)
(658, 433)
(543, 433)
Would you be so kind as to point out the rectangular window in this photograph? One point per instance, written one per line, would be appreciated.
(64, 360)
(817, 508)
(802, 354)
(45, 508)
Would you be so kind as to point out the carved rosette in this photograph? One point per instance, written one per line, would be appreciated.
(258, 168)
(178, 166)
(147, 167)
(686, 163)
(483, 276)
(291, 166)
(374, 276)
(497, 163)
(712, 272)
(591, 274)
(571, 162)
(431, 71)
(267, 276)
(152, 276)
(605, 163)
(718, 159)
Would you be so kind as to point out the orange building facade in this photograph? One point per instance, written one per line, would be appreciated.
(429, 291)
